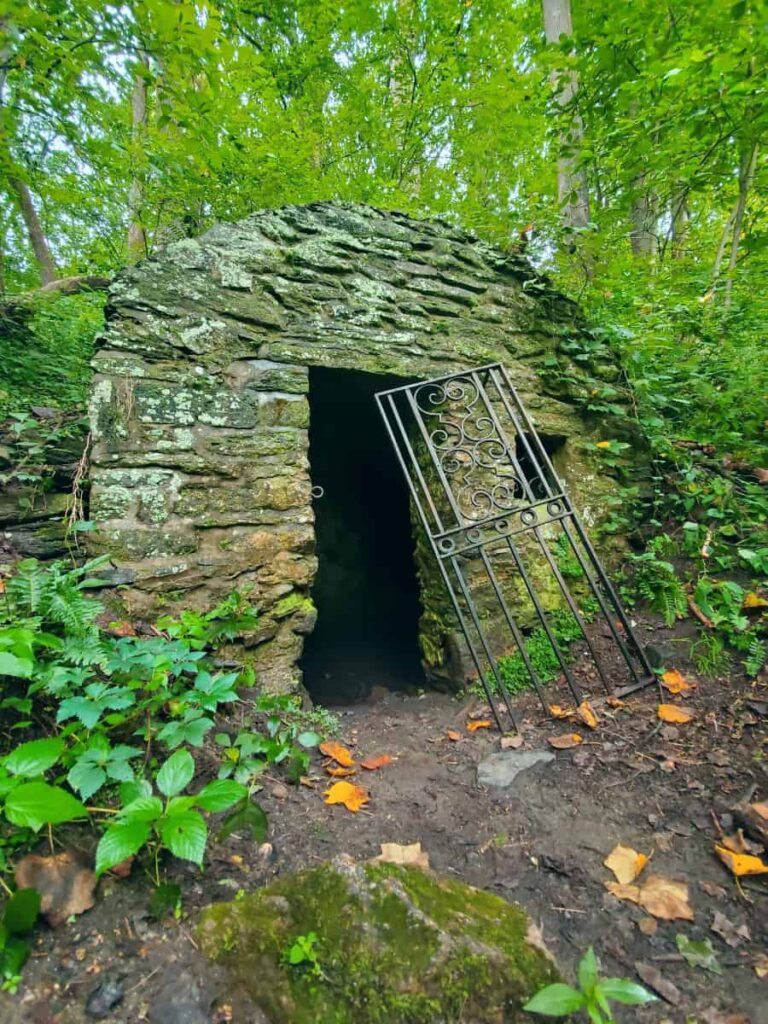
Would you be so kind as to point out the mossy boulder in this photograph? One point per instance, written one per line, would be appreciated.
(393, 944)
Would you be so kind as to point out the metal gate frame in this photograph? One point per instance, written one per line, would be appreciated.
(467, 423)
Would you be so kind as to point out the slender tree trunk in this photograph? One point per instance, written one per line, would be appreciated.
(746, 177)
(679, 224)
(643, 216)
(45, 261)
(137, 236)
(571, 181)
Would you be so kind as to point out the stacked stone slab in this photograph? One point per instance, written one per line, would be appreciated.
(199, 411)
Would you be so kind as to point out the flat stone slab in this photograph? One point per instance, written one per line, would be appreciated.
(501, 769)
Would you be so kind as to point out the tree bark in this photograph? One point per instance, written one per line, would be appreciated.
(571, 180)
(45, 261)
(137, 236)
(642, 237)
(747, 168)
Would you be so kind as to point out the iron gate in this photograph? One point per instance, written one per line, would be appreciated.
(485, 490)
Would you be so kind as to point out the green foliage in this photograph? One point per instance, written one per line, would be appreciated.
(594, 994)
(657, 582)
(541, 654)
(302, 953)
(19, 916)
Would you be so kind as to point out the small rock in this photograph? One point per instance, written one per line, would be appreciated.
(102, 1000)
(279, 791)
(182, 999)
(501, 769)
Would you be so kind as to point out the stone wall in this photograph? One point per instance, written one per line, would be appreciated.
(200, 477)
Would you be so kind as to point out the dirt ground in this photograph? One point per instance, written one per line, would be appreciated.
(664, 790)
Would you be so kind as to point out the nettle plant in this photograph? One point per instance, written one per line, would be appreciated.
(107, 706)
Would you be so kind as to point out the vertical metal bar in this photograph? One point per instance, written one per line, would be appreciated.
(554, 567)
(425, 523)
(613, 596)
(414, 462)
(435, 460)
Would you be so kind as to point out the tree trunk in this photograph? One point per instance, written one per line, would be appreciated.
(137, 236)
(642, 213)
(571, 181)
(679, 224)
(45, 261)
(747, 167)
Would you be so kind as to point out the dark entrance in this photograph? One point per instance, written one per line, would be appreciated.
(365, 590)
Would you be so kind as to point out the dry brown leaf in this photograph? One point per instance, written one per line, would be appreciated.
(675, 682)
(625, 863)
(478, 723)
(675, 714)
(648, 925)
(741, 863)
(511, 742)
(65, 884)
(761, 475)
(372, 764)
(566, 741)
(339, 773)
(761, 810)
(410, 855)
(665, 899)
(453, 735)
(120, 629)
(535, 937)
(337, 752)
(713, 889)
(730, 933)
(654, 979)
(558, 711)
(615, 702)
(587, 715)
(738, 843)
(624, 891)
(760, 964)
(353, 797)
(754, 601)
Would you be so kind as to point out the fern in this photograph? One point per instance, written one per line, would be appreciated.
(756, 656)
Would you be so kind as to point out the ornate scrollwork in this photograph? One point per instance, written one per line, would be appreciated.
(473, 456)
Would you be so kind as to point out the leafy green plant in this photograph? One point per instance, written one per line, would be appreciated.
(541, 654)
(19, 916)
(303, 953)
(709, 655)
(175, 823)
(658, 583)
(594, 994)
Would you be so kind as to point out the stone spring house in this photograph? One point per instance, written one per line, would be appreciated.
(237, 372)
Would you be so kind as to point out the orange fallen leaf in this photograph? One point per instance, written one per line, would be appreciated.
(353, 797)
(453, 735)
(761, 810)
(760, 964)
(615, 702)
(753, 600)
(672, 713)
(741, 863)
(587, 715)
(624, 891)
(558, 711)
(373, 763)
(339, 773)
(603, 444)
(566, 741)
(675, 682)
(479, 723)
(339, 754)
(625, 863)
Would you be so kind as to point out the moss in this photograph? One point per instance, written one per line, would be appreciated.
(293, 603)
(394, 944)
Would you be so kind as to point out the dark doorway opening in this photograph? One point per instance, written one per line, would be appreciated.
(365, 590)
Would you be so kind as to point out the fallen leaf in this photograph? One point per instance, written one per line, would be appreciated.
(624, 891)
(673, 713)
(615, 702)
(566, 741)
(625, 863)
(65, 884)
(123, 869)
(338, 753)
(648, 925)
(511, 742)
(760, 964)
(120, 629)
(698, 954)
(587, 715)
(713, 889)
(674, 681)
(339, 773)
(761, 475)
(714, 1016)
(654, 979)
(453, 735)
(738, 843)
(728, 931)
(741, 863)
(353, 797)
(535, 937)
(410, 855)
(761, 810)
(558, 711)
(665, 899)
(753, 600)
(479, 723)
(372, 764)
(603, 444)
